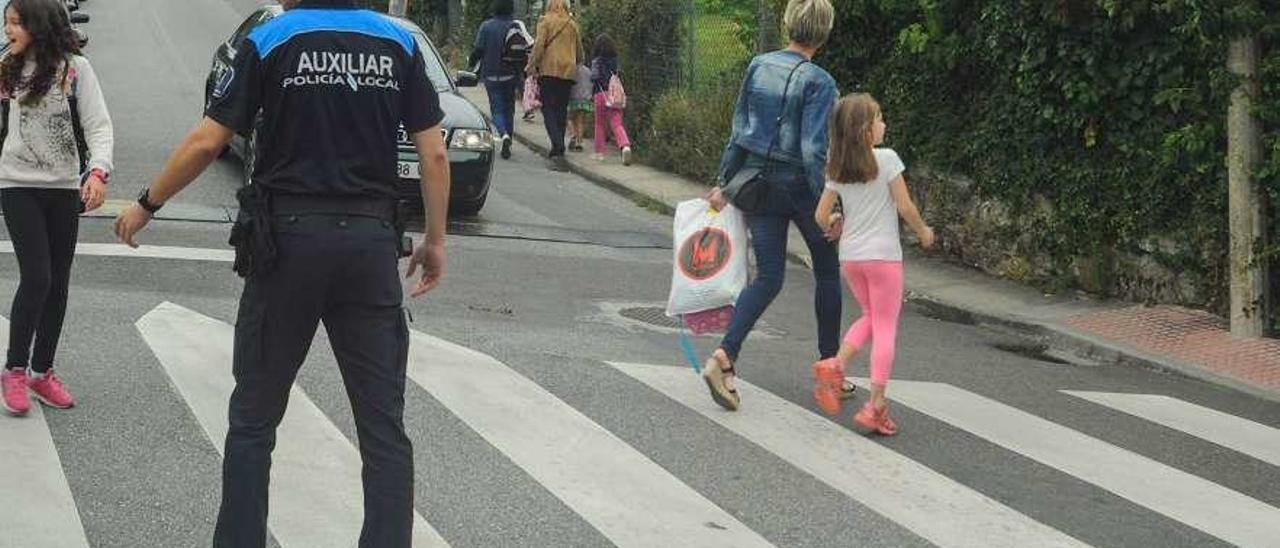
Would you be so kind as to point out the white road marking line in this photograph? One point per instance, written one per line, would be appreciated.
(1197, 502)
(627, 497)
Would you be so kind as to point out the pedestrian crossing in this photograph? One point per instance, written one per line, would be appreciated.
(631, 499)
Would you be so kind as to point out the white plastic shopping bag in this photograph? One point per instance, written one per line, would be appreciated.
(709, 258)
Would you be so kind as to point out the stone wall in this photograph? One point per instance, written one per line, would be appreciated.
(1014, 243)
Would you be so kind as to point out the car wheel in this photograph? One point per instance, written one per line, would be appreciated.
(468, 208)
(250, 156)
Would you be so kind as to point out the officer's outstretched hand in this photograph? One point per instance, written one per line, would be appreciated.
(431, 259)
(129, 222)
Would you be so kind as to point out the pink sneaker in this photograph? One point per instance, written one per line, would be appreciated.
(827, 378)
(14, 383)
(49, 389)
(876, 420)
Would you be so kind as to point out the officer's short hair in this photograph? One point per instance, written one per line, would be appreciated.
(808, 22)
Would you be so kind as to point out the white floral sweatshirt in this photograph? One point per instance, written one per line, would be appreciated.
(40, 150)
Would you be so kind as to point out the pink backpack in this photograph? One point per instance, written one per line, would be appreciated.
(615, 96)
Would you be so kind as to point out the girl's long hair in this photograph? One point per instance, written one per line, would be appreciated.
(557, 6)
(604, 47)
(52, 44)
(851, 159)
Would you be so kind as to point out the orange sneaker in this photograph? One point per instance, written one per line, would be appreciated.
(828, 377)
(876, 420)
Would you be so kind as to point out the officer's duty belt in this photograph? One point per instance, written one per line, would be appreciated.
(296, 204)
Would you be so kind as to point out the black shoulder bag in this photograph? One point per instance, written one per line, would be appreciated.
(748, 189)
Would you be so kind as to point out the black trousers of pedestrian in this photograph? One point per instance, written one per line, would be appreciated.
(340, 270)
(554, 93)
(43, 224)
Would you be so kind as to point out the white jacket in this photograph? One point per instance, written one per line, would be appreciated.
(40, 149)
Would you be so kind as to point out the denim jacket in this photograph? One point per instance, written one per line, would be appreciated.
(802, 139)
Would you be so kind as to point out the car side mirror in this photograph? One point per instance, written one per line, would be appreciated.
(79, 18)
(467, 79)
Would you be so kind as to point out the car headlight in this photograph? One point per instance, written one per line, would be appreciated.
(471, 139)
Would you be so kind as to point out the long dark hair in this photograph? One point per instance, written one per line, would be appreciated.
(52, 43)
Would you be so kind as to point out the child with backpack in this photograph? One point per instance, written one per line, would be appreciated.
(869, 183)
(579, 107)
(609, 98)
(55, 154)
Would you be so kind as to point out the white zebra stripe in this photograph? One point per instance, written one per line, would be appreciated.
(923, 501)
(1256, 440)
(627, 497)
(40, 509)
(1202, 504)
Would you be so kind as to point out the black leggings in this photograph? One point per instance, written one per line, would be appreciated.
(554, 93)
(43, 224)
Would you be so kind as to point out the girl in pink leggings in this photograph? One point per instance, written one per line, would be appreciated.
(603, 67)
(868, 182)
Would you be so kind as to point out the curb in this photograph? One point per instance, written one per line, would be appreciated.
(1091, 349)
(1087, 348)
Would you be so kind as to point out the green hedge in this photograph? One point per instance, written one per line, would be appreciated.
(1114, 111)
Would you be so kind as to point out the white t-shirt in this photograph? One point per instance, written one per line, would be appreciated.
(870, 215)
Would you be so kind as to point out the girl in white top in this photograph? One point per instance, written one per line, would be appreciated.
(54, 162)
(868, 182)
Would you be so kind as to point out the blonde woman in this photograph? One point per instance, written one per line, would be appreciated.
(780, 126)
(557, 52)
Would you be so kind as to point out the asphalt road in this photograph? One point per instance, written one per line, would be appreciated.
(533, 426)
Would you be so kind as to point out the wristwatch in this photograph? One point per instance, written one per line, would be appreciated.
(146, 203)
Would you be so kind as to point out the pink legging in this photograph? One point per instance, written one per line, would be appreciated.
(878, 287)
(612, 117)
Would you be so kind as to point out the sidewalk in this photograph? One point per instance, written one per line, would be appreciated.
(1190, 342)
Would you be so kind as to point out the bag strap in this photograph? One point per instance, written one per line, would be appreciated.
(777, 128)
(77, 128)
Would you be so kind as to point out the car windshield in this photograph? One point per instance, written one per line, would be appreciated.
(435, 69)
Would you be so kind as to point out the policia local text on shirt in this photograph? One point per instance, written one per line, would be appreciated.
(333, 83)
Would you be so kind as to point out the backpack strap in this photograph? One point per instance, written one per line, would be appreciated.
(4, 121)
(77, 128)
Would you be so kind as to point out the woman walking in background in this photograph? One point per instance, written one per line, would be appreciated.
(557, 52)
(780, 126)
(57, 135)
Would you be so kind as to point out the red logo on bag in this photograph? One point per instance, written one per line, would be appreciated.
(705, 253)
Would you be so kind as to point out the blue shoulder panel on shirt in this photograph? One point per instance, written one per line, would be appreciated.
(300, 21)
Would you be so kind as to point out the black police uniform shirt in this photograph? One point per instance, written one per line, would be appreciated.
(333, 83)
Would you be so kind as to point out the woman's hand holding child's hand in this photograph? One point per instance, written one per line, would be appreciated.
(835, 228)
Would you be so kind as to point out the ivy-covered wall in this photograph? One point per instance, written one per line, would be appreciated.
(1069, 142)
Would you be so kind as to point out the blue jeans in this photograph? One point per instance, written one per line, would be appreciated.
(791, 202)
(502, 106)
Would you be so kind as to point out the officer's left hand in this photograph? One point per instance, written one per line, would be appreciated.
(431, 259)
(93, 193)
(130, 221)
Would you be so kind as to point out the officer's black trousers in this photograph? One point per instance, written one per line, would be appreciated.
(342, 271)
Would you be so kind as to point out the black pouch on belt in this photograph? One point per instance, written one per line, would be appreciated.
(253, 235)
(400, 221)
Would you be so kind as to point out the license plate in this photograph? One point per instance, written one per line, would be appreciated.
(407, 170)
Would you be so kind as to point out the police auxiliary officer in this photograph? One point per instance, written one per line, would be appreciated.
(316, 240)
